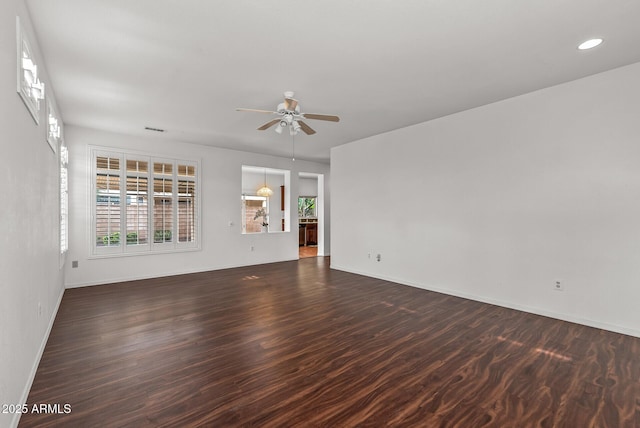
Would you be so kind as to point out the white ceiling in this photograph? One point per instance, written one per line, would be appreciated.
(184, 66)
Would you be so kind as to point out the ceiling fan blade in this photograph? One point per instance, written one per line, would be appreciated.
(328, 117)
(256, 110)
(290, 104)
(306, 128)
(268, 124)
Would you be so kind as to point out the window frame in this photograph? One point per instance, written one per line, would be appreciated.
(149, 247)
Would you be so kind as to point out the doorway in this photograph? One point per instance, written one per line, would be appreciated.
(310, 215)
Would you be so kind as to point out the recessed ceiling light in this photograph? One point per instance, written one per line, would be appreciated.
(589, 44)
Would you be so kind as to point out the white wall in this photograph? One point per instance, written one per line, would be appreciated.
(221, 185)
(253, 180)
(307, 186)
(30, 273)
(497, 203)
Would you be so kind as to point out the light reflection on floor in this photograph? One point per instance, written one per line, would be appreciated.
(552, 354)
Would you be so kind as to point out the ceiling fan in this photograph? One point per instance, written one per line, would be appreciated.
(291, 117)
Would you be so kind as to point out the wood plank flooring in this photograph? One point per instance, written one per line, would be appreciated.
(297, 344)
(305, 252)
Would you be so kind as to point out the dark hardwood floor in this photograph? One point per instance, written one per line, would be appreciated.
(297, 344)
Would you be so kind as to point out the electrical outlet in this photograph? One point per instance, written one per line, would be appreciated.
(378, 257)
(251, 248)
(39, 309)
(558, 285)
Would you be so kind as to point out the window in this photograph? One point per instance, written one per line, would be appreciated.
(144, 204)
(255, 217)
(162, 202)
(108, 210)
(64, 199)
(30, 87)
(137, 209)
(307, 206)
(265, 211)
(186, 203)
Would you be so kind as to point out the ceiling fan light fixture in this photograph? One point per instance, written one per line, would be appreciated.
(590, 44)
(279, 128)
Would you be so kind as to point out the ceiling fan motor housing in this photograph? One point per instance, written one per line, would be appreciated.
(282, 109)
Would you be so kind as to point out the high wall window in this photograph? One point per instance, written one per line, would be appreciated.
(144, 204)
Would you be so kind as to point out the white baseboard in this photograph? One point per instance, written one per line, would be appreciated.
(36, 363)
(510, 305)
(165, 274)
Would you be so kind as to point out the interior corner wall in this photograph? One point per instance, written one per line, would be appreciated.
(31, 280)
(223, 246)
(499, 202)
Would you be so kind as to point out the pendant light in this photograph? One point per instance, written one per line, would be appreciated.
(264, 190)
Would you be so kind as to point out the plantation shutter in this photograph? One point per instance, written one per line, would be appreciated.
(187, 219)
(64, 199)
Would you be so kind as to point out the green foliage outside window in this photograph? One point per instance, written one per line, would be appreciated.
(162, 236)
(113, 239)
(306, 207)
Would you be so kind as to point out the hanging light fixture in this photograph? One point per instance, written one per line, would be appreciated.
(264, 190)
